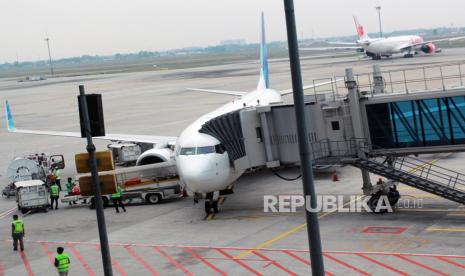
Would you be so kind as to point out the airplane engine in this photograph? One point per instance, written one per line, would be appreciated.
(428, 48)
(155, 156)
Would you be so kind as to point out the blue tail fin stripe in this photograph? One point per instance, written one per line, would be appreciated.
(9, 117)
(263, 53)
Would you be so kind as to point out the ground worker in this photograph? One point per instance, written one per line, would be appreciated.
(54, 195)
(17, 233)
(116, 198)
(69, 188)
(62, 262)
(57, 174)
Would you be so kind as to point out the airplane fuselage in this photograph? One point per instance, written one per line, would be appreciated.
(391, 45)
(202, 163)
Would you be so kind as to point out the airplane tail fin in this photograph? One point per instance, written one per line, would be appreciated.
(9, 118)
(264, 81)
(362, 35)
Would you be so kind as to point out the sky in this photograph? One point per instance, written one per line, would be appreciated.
(105, 27)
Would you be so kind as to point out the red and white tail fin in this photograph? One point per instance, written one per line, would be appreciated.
(360, 30)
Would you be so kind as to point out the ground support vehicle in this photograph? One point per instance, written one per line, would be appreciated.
(140, 184)
(32, 195)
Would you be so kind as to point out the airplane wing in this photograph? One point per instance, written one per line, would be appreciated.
(113, 137)
(216, 91)
(289, 91)
(331, 48)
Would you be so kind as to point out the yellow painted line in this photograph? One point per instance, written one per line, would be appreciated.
(423, 196)
(446, 229)
(285, 234)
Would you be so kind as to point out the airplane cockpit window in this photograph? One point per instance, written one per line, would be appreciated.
(205, 150)
(187, 151)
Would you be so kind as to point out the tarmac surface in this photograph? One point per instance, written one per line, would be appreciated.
(172, 238)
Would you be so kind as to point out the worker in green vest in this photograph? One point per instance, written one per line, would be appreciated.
(62, 262)
(54, 195)
(69, 189)
(57, 174)
(116, 198)
(17, 233)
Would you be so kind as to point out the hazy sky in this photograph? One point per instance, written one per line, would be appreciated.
(78, 27)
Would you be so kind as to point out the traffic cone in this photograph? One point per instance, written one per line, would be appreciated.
(334, 176)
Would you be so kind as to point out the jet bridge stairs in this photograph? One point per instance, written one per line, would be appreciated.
(416, 173)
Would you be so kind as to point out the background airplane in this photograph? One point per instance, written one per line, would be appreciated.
(201, 160)
(376, 48)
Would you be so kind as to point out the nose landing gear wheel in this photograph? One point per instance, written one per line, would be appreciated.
(208, 207)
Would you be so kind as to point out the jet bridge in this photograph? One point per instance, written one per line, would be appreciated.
(371, 117)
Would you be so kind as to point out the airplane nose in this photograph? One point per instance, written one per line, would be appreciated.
(199, 173)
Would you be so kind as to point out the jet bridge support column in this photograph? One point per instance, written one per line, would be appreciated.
(378, 80)
(359, 134)
(270, 160)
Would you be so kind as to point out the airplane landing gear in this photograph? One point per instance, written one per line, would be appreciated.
(211, 203)
(409, 55)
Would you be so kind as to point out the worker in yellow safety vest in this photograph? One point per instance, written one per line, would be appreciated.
(116, 198)
(54, 195)
(62, 262)
(57, 174)
(17, 233)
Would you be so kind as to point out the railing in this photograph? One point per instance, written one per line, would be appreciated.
(417, 167)
(328, 149)
(335, 151)
(426, 78)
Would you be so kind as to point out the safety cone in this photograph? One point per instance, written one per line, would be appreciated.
(335, 177)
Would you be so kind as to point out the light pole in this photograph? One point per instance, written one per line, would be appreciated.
(378, 8)
(49, 55)
(313, 229)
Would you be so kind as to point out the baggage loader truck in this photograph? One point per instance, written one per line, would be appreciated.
(141, 184)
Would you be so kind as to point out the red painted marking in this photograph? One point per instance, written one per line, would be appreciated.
(275, 263)
(141, 260)
(420, 264)
(383, 265)
(26, 264)
(114, 264)
(345, 264)
(50, 254)
(302, 260)
(200, 258)
(81, 260)
(172, 261)
(451, 262)
(372, 230)
(241, 263)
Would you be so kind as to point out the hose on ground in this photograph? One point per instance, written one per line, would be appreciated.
(275, 172)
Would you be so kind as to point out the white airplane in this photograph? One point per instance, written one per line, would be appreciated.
(202, 161)
(386, 47)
